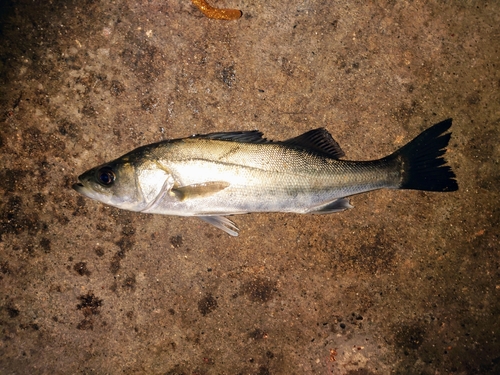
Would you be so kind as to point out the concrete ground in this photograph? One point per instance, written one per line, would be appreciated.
(405, 283)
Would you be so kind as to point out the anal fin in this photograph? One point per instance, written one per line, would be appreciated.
(221, 222)
(337, 205)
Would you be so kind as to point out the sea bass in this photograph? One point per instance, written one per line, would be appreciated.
(228, 173)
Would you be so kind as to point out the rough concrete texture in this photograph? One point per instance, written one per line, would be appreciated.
(405, 283)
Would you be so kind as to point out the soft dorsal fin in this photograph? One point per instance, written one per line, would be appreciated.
(318, 141)
(251, 136)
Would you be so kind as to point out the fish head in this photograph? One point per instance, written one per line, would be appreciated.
(125, 183)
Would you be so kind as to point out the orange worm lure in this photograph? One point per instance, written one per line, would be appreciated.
(216, 13)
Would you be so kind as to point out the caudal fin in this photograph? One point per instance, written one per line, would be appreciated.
(423, 166)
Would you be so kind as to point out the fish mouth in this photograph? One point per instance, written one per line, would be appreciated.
(78, 187)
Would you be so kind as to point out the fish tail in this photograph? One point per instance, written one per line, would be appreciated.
(422, 164)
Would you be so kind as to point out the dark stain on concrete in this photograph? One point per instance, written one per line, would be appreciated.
(12, 311)
(207, 304)
(81, 269)
(228, 75)
(409, 337)
(176, 241)
(259, 290)
(360, 371)
(89, 304)
(129, 283)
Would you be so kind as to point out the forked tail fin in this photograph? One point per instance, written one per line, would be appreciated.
(423, 165)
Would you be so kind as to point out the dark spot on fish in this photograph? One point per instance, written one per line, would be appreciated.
(89, 304)
(176, 241)
(259, 290)
(263, 370)
(207, 304)
(81, 269)
(171, 311)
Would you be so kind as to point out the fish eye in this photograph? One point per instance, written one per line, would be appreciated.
(105, 176)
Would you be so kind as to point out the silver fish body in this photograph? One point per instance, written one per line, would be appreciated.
(219, 174)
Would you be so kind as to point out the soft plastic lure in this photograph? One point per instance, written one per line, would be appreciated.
(216, 13)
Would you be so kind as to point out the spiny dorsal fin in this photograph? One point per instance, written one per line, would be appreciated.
(251, 136)
(318, 141)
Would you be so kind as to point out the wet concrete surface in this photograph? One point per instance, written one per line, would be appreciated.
(406, 282)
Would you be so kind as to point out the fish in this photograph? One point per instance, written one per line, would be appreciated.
(215, 175)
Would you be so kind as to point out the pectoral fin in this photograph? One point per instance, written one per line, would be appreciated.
(337, 205)
(199, 190)
(223, 223)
